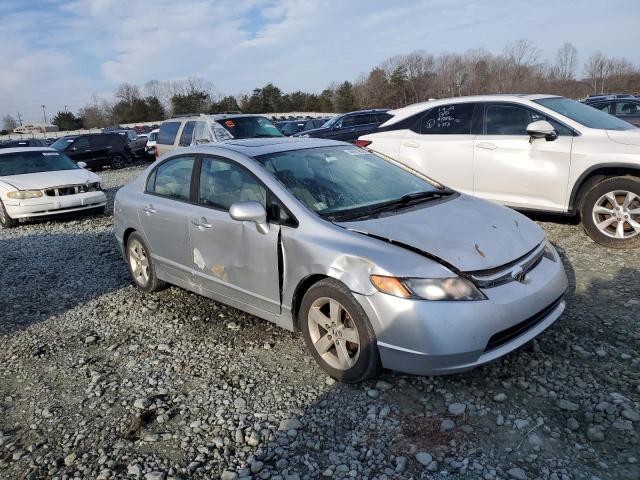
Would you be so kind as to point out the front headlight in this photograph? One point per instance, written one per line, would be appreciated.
(24, 194)
(435, 289)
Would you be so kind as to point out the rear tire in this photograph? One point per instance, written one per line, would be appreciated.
(140, 264)
(5, 220)
(611, 212)
(118, 161)
(338, 333)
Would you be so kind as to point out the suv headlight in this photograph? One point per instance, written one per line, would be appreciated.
(24, 194)
(435, 289)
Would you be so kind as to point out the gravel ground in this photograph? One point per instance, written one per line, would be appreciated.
(98, 380)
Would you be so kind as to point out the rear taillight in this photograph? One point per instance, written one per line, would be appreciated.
(363, 143)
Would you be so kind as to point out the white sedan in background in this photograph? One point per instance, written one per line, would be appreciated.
(529, 152)
(36, 182)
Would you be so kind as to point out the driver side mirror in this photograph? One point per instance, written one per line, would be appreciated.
(81, 164)
(250, 211)
(541, 129)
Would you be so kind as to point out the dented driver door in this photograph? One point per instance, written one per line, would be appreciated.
(231, 260)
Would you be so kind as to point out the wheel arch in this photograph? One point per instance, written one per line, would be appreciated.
(298, 294)
(595, 175)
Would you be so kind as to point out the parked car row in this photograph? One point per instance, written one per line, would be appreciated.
(368, 252)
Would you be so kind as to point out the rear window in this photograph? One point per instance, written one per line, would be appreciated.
(249, 127)
(187, 134)
(168, 132)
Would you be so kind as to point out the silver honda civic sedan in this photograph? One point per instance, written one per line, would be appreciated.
(376, 264)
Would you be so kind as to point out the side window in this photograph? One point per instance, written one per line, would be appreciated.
(99, 141)
(508, 119)
(347, 122)
(187, 134)
(173, 178)
(168, 132)
(223, 183)
(82, 143)
(363, 119)
(381, 117)
(605, 107)
(627, 108)
(448, 120)
(151, 182)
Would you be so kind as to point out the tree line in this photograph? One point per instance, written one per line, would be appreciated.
(398, 81)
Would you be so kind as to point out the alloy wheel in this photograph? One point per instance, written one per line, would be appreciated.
(616, 214)
(334, 333)
(139, 263)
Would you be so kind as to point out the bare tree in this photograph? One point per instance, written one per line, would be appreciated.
(598, 68)
(9, 123)
(128, 92)
(566, 61)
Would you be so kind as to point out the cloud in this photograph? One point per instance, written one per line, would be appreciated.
(61, 52)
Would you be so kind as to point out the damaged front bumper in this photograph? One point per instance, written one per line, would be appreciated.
(441, 337)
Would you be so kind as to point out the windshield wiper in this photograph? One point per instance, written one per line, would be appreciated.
(403, 201)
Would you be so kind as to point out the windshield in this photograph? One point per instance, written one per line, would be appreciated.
(61, 143)
(584, 114)
(21, 163)
(344, 180)
(250, 127)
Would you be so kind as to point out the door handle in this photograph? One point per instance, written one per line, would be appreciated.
(487, 145)
(411, 144)
(201, 223)
(149, 210)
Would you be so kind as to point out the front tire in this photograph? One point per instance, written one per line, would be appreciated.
(5, 220)
(338, 333)
(140, 265)
(611, 212)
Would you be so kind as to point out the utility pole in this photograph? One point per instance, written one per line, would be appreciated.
(44, 114)
(19, 119)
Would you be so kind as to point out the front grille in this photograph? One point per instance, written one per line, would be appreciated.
(505, 336)
(516, 270)
(70, 190)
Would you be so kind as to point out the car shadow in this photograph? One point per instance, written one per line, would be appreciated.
(72, 269)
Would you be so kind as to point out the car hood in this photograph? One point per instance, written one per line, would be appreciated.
(465, 232)
(38, 181)
(626, 137)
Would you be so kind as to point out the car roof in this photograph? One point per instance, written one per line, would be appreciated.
(214, 116)
(253, 147)
(5, 151)
(405, 112)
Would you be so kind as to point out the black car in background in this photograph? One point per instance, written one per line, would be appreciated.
(625, 107)
(96, 149)
(26, 142)
(349, 126)
(291, 127)
(136, 143)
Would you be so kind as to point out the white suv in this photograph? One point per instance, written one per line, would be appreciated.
(530, 152)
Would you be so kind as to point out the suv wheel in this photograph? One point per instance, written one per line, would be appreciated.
(611, 212)
(338, 333)
(5, 220)
(118, 161)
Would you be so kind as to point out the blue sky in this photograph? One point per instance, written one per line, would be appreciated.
(61, 53)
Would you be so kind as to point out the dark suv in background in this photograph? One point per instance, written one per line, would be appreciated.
(96, 149)
(625, 107)
(349, 126)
